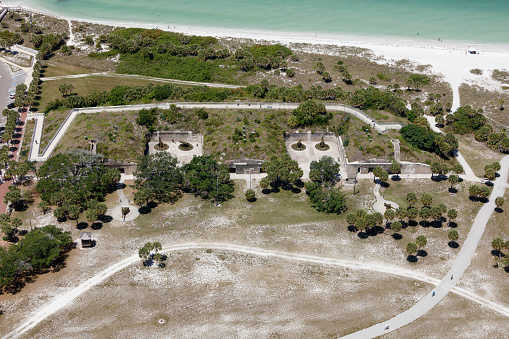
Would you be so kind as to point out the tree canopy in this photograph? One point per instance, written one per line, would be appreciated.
(159, 178)
(208, 179)
(282, 170)
(40, 248)
(74, 179)
(324, 170)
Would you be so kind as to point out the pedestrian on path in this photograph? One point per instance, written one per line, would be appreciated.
(433, 294)
(387, 327)
(452, 275)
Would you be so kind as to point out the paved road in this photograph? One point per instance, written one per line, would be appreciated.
(460, 265)
(67, 298)
(6, 84)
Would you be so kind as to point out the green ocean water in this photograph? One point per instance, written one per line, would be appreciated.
(451, 20)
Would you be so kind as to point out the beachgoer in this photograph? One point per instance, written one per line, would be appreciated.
(433, 294)
(387, 326)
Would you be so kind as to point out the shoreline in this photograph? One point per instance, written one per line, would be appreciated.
(447, 59)
(338, 39)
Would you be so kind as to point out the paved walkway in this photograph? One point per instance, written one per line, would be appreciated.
(4, 187)
(116, 213)
(379, 205)
(65, 299)
(232, 105)
(458, 268)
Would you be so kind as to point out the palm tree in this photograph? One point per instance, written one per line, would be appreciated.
(453, 235)
(498, 245)
(351, 219)
(396, 226)
(412, 213)
(388, 215)
(453, 180)
(452, 214)
(427, 199)
(411, 248)
(91, 216)
(411, 198)
(425, 213)
(499, 201)
(421, 241)
(401, 213)
(74, 212)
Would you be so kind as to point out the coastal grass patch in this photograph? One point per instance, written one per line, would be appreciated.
(84, 86)
(493, 103)
(477, 154)
(362, 142)
(128, 144)
(27, 139)
(55, 68)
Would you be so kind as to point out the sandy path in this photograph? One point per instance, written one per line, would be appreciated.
(66, 299)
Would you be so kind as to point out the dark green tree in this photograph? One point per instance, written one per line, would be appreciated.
(159, 178)
(206, 178)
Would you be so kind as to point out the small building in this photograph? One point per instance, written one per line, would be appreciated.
(86, 240)
(245, 166)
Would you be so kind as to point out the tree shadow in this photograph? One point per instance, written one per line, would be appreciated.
(149, 262)
(96, 225)
(396, 177)
(422, 253)
(266, 191)
(452, 224)
(352, 228)
(362, 235)
(497, 253)
(251, 200)
(412, 223)
(397, 236)
(489, 183)
(82, 225)
(412, 258)
(453, 244)
(296, 190)
(144, 210)
(384, 184)
(275, 189)
(453, 190)
(499, 210)
(106, 218)
(299, 183)
(436, 224)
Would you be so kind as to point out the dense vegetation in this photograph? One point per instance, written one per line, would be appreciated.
(177, 56)
(75, 182)
(323, 193)
(429, 141)
(40, 249)
(159, 179)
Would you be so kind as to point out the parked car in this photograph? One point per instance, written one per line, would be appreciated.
(11, 105)
(12, 95)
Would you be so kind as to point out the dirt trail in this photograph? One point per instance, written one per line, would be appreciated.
(67, 298)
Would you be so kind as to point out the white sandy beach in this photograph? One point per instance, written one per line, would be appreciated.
(449, 59)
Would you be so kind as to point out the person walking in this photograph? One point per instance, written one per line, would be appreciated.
(433, 294)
